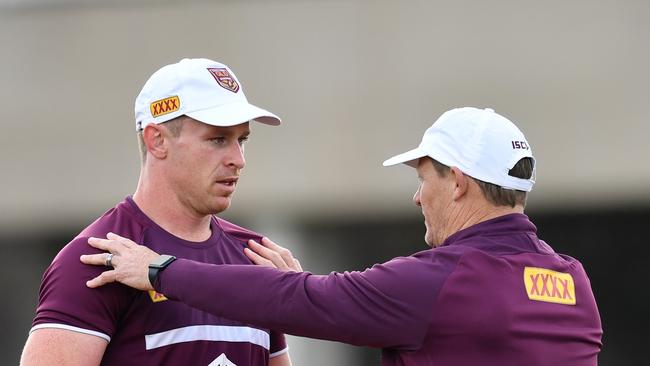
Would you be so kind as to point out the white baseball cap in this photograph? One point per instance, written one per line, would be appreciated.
(205, 90)
(479, 142)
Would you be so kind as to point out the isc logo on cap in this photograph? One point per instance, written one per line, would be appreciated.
(165, 106)
(550, 286)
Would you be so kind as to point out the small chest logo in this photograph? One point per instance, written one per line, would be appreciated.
(549, 286)
(165, 106)
(156, 296)
(223, 77)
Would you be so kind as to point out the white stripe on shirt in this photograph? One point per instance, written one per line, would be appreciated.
(70, 327)
(221, 333)
(280, 352)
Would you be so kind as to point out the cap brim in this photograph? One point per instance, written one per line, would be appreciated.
(233, 114)
(409, 158)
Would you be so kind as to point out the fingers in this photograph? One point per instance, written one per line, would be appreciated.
(298, 266)
(112, 243)
(258, 259)
(96, 259)
(129, 261)
(102, 279)
(272, 245)
(285, 253)
(103, 244)
(272, 255)
(113, 236)
(128, 243)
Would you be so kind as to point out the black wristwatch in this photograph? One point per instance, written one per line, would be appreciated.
(158, 265)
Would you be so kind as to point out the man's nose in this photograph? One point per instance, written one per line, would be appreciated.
(236, 157)
(416, 196)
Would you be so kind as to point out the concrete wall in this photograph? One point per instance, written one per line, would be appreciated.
(355, 81)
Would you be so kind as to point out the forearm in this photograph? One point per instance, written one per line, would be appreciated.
(339, 307)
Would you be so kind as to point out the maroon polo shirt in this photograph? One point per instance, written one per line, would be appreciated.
(492, 294)
(144, 328)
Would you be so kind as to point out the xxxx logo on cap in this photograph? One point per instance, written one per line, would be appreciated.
(165, 106)
(224, 79)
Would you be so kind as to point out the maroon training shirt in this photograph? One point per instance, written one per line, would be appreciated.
(492, 294)
(145, 328)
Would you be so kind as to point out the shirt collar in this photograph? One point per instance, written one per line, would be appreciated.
(498, 226)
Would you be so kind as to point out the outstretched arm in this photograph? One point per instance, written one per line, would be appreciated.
(131, 261)
(389, 305)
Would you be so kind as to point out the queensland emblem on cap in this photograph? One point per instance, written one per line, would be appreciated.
(224, 79)
(165, 106)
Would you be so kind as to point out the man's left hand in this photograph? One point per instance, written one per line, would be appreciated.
(269, 254)
(130, 262)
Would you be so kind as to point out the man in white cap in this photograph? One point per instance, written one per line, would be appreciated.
(192, 119)
(488, 292)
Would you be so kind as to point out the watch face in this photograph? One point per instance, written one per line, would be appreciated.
(162, 260)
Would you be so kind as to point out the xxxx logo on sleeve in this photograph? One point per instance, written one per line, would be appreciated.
(156, 296)
(550, 286)
(165, 106)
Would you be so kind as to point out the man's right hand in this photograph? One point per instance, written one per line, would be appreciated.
(270, 254)
(130, 262)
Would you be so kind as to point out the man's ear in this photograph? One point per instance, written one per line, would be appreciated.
(154, 139)
(461, 182)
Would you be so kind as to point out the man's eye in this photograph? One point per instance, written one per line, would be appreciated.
(243, 140)
(219, 140)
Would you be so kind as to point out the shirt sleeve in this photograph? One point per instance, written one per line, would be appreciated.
(389, 305)
(278, 344)
(65, 302)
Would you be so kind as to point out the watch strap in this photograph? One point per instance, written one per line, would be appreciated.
(153, 275)
(156, 268)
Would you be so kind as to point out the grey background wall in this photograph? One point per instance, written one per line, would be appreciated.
(355, 82)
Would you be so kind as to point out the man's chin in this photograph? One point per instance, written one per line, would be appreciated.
(220, 205)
